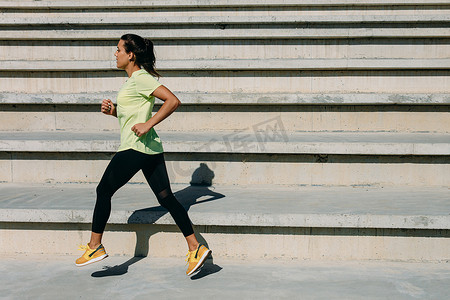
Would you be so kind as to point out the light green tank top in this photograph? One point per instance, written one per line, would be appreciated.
(135, 105)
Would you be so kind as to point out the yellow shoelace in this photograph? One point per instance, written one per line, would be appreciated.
(189, 256)
(82, 247)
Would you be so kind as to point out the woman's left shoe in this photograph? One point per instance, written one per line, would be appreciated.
(196, 258)
(91, 255)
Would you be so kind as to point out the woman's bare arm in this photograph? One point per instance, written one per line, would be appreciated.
(171, 103)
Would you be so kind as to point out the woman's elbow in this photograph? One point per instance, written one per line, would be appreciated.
(177, 103)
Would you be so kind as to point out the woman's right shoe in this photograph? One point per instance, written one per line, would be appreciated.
(91, 255)
(196, 258)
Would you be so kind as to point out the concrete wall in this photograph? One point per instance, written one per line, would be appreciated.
(237, 243)
(326, 66)
(322, 66)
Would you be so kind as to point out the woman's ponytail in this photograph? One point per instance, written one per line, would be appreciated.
(143, 50)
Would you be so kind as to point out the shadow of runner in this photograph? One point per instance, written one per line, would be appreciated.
(116, 270)
(207, 269)
(187, 197)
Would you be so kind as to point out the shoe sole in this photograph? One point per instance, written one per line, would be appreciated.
(200, 262)
(92, 260)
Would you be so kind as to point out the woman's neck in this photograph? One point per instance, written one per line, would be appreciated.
(131, 68)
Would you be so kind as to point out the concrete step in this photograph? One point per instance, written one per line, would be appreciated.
(200, 98)
(229, 33)
(241, 117)
(61, 4)
(269, 206)
(276, 141)
(310, 222)
(234, 49)
(236, 65)
(142, 18)
(245, 81)
(240, 158)
(239, 169)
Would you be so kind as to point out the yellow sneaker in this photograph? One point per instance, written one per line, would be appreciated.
(196, 258)
(91, 255)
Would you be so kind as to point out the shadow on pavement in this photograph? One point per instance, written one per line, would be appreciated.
(207, 269)
(116, 270)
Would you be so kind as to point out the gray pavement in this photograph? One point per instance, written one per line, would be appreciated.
(50, 277)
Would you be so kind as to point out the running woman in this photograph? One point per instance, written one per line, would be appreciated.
(140, 148)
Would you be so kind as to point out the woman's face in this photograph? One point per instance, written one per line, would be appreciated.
(122, 58)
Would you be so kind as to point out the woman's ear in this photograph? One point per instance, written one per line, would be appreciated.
(131, 56)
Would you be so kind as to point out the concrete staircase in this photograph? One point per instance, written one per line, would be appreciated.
(320, 129)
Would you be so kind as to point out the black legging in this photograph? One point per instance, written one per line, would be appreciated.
(122, 167)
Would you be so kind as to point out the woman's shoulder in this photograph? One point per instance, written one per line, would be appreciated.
(145, 83)
(143, 76)
(141, 73)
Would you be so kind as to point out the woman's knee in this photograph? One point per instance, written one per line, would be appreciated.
(103, 191)
(167, 200)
